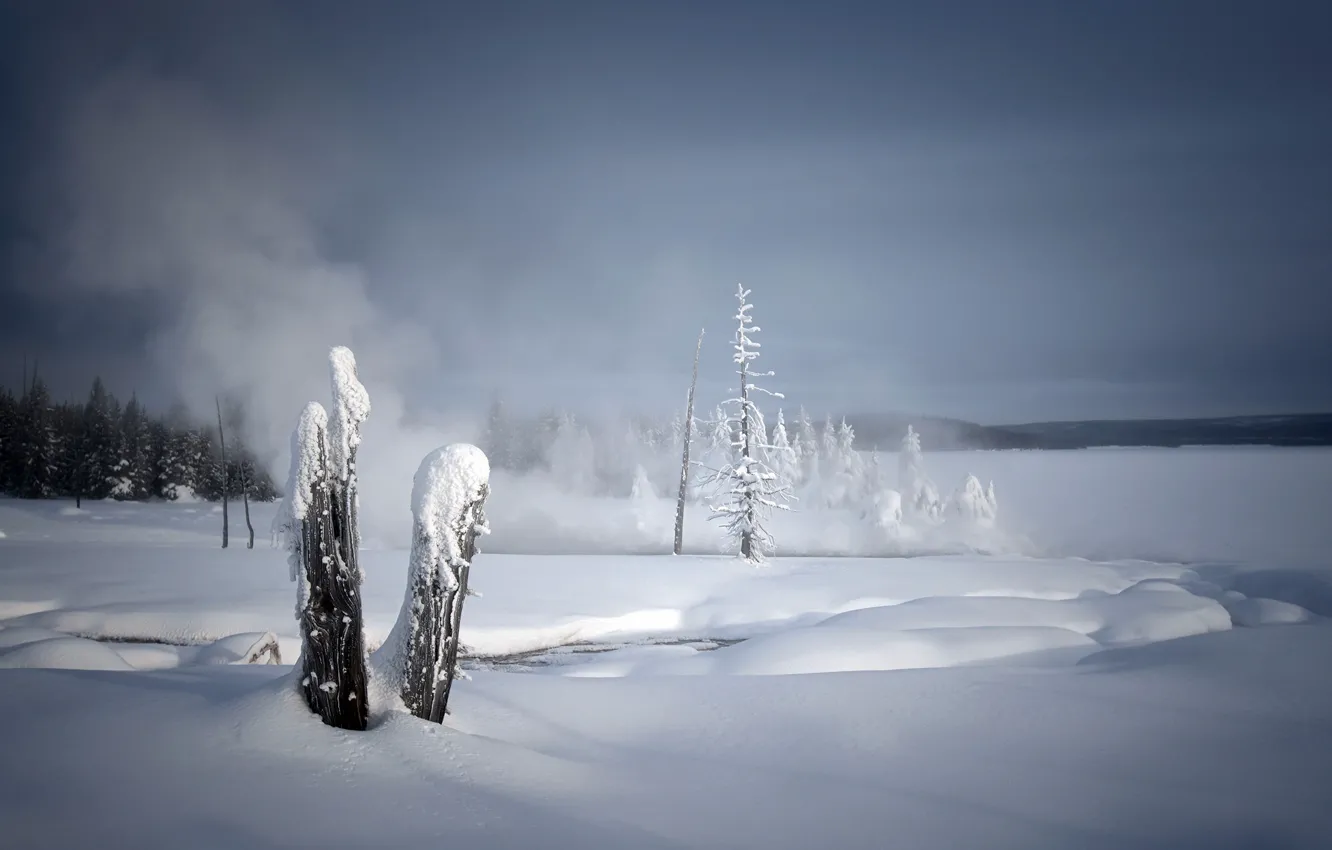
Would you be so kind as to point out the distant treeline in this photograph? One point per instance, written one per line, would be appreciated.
(102, 450)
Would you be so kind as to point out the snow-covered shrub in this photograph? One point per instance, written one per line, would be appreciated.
(834, 490)
(419, 659)
(919, 494)
(974, 503)
(885, 511)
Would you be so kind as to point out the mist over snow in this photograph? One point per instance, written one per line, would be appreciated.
(160, 193)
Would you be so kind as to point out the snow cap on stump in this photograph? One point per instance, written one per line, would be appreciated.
(448, 480)
(351, 407)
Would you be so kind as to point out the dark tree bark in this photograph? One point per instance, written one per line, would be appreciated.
(82, 471)
(335, 679)
(222, 440)
(424, 636)
(432, 656)
(245, 500)
(684, 462)
(466, 533)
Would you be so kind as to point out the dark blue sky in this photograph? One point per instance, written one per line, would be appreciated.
(1000, 211)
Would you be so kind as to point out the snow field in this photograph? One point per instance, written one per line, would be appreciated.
(1025, 698)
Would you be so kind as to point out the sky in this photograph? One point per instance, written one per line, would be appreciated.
(1002, 212)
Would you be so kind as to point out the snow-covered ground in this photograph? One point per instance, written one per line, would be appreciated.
(1136, 657)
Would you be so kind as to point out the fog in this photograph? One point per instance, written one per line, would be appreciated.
(1053, 213)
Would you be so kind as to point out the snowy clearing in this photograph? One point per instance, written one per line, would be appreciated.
(1062, 691)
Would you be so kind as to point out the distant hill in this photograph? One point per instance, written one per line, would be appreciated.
(885, 431)
(1313, 429)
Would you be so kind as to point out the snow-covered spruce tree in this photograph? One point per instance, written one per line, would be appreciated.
(872, 481)
(720, 437)
(782, 456)
(848, 460)
(807, 447)
(973, 503)
(318, 520)
(828, 450)
(420, 656)
(919, 495)
(747, 488)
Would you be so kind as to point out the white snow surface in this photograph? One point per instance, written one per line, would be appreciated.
(63, 653)
(1083, 685)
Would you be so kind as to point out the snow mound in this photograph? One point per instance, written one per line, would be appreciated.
(19, 635)
(64, 653)
(841, 649)
(165, 621)
(1307, 589)
(1142, 613)
(820, 649)
(1152, 611)
(1259, 612)
(974, 503)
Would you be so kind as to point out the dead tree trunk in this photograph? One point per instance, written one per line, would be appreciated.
(222, 441)
(465, 531)
(334, 680)
(448, 502)
(245, 500)
(684, 461)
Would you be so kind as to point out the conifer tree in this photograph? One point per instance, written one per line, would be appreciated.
(747, 488)
(36, 442)
(807, 446)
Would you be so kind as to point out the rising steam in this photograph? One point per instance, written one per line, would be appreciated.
(158, 191)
